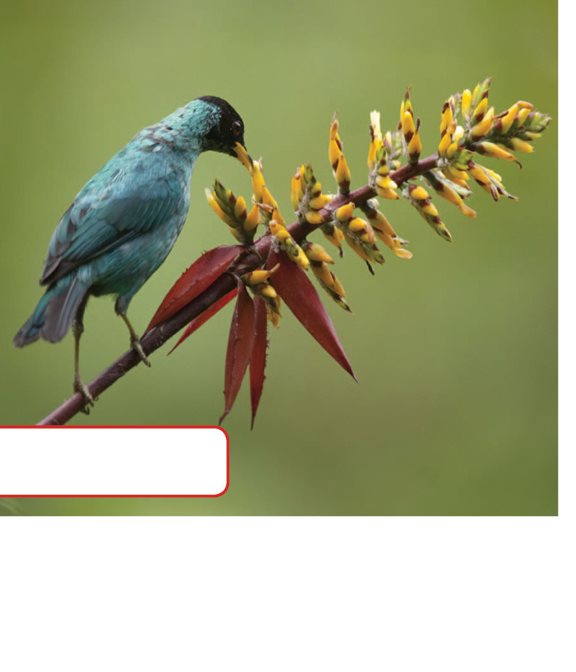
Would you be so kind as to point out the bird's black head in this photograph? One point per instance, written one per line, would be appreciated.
(228, 129)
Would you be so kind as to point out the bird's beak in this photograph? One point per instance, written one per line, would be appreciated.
(243, 156)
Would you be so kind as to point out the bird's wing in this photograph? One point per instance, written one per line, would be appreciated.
(101, 219)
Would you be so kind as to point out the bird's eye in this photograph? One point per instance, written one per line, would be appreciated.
(237, 129)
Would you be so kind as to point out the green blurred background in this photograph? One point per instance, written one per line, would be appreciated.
(455, 350)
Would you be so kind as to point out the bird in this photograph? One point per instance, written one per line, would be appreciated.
(124, 222)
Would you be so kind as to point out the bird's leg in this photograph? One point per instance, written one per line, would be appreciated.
(79, 386)
(134, 340)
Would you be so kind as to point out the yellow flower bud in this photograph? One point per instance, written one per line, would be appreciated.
(521, 146)
(324, 274)
(479, 174)
(320, 201)
(218, 210)
(288, 244)
(334, 126)
(494, 151)
(382, 169)
(452, 150)
(267, 198)
(385, 183)
(345, 212)
(408, 126)
(316, 189)
(375, 126)
(481, 109)
(420, 199)
(343, 176)
(375, 138)
(269, 292)
(314, 217)
(334, 153)
(402, 253)
(430, 209)
(296, 191)
(458, 176)
(333, 235)
(356, 225)
(260, 276)
(279, 231)
(335, 145)
(476, 91)
(489, 180)
(383, 229)
(258, 182)
(360, 237)
(447, 117)
(419, 193)
(300, 258)
(448, 193)
(252, 218)
(508, 119)
(337, 159)
(390, 194)
(240, 208)
(523, 115)
(406, 104)
(415, 146)
(458, 134)
(317, 253)
(445, 142)
(466, 102)
(483, 127)
(357, 248)
(329, 282)
(493, 174)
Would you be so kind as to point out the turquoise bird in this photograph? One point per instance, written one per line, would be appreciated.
(125, 220)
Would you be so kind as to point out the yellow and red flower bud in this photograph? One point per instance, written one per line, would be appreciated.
(421, 200)
(338, 160)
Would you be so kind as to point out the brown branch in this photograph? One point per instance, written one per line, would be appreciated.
(155, 338)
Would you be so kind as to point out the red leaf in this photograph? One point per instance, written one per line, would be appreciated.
(203, 272)
(240, 342)
(300, 296)
(258, 359)
(197, 322)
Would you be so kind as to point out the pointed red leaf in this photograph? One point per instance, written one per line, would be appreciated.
(258, 359)
(197, 322)
(198, 277)
(240, 342)
(299, 294)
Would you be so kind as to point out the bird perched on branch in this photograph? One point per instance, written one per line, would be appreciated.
(125, 220)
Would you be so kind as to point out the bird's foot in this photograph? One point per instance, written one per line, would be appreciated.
(137, 347)
(85, 392)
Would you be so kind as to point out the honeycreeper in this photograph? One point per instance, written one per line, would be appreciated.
(124, 222)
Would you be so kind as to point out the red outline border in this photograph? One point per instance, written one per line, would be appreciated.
(72, 427)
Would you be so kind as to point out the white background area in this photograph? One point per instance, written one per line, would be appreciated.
(112, 461)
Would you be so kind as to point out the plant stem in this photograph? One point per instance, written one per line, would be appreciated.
(156, 337)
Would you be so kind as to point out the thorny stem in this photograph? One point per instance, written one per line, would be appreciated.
(156, 337)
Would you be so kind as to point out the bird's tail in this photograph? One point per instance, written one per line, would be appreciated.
(54, 313)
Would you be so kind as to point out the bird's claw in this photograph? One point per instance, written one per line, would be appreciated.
(85, 392)
(137, 347)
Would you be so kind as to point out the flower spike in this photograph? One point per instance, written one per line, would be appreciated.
(271, 270)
